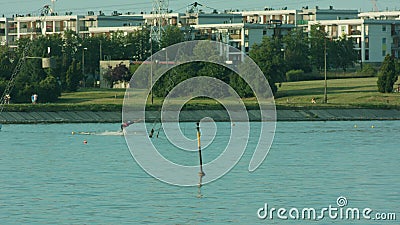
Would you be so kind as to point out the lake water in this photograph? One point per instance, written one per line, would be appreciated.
(49, 176)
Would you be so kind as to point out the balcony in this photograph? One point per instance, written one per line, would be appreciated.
(235, 36)
(302, 22)
(395, 32)
(81, 28)
(23, 30)
(395, 46)
(355, 32)
(333, 34)
(12, 31)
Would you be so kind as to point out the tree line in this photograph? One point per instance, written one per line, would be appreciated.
(77, 60)
(297, 51)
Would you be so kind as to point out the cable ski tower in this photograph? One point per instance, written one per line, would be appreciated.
(374, 3)
(4, 98)
(160, 11)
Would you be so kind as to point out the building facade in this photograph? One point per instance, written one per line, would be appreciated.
(27, 26)
(373, 39)
(375, 33)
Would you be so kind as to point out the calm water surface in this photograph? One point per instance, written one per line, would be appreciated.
(48, 176)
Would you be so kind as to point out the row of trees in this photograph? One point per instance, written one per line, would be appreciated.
(300, 51)
(68, 51)
(275, 56)
(77, 60)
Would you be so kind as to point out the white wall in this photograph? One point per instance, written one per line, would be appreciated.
(376, 46)
(255, 37)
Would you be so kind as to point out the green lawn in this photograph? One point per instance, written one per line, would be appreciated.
(355, 92)
(94, 96)
(342, 93)
(348, 93)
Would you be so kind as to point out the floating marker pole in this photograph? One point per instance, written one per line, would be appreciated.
(201, 173)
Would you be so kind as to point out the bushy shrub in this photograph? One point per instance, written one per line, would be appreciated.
(368, 71)
(387, 76)
(294, 75)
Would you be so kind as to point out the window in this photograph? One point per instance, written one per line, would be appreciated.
(383, 28)
(383, 40)
(367, 54)
(384, 53)
(366, 42)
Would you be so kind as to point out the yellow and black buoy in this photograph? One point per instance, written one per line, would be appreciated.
(201, 173)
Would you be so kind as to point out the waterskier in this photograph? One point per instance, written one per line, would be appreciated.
(127, 124)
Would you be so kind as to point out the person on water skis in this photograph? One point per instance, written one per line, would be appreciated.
(127, 124)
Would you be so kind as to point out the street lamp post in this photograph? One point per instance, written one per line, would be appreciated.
(325, 77)
(325, 71)
(166, 56)
(83, 60)
(83, 65)
(151, 71)
(100, 59)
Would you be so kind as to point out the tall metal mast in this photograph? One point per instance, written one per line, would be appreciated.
(374, 3)
(160, 10)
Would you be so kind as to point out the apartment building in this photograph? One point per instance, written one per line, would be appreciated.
(32, 26)
(150, 19)
(317, 14)
(211, 18)
(297, 17)
(239, 35)
(270, 16)
(387, 15)
(3, 30)
(375, 33)
(28, 26)
(373, 39)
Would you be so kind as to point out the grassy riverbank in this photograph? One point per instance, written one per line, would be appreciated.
(342, 93)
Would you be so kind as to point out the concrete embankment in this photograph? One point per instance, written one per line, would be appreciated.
(217, 115)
